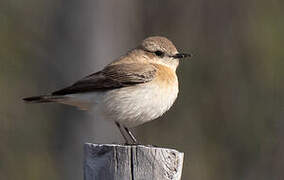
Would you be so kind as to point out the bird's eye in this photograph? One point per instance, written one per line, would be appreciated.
(159, 53)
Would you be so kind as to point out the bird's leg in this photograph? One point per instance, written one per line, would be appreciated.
(122, 133)
(130, 134)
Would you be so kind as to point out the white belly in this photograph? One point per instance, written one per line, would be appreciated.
(132, 106)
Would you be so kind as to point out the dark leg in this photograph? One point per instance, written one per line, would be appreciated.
(122, 133)
(134, 141)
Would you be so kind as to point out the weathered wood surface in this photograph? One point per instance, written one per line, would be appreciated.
(137, 162)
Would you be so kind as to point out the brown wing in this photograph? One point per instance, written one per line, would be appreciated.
(112, 77)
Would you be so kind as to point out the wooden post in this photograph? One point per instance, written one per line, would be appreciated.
(139, 162)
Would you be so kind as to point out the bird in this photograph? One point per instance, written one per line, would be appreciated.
(136, 88)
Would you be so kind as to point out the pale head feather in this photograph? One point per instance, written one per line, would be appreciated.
(156, 49)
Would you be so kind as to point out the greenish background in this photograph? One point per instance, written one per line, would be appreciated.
(228, 118)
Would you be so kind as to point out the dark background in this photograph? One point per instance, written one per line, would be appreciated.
(228, 118)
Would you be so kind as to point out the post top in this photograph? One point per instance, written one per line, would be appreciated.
(140, 146)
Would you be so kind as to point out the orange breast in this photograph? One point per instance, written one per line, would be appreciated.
(165, 76)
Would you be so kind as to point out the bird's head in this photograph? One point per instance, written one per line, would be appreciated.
(161, 50)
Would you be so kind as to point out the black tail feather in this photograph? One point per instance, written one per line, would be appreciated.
(41, 99)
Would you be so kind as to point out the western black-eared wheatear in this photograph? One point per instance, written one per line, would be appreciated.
(136, 88)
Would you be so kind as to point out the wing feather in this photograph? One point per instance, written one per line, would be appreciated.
(112, 77)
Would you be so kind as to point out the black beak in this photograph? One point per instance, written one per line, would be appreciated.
(181, 55)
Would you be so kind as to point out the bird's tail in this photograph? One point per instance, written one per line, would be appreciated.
(43, 99)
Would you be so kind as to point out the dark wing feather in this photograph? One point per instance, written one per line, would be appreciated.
(112, 77)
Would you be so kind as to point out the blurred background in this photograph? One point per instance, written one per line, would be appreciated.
(228, 118)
